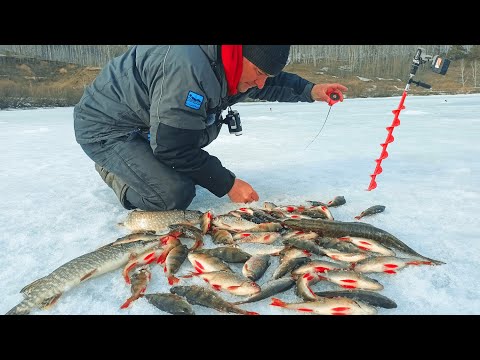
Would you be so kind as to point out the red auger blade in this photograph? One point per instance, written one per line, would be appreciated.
(388, 140)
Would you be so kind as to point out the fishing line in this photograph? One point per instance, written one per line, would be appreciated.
(320, 128)
(334, 98)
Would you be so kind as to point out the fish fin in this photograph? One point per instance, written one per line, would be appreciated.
(191, 274)
(305, 309)
(163, 256)
(27, 287)
(48, 303)
(251, 313)
(216, 287)
(173, 280)
(358, 217)
(278, 302)
(198, 245)
(88, 275)
(390, 272)
(126, 304)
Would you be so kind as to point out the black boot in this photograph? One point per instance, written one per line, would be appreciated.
(118, 186)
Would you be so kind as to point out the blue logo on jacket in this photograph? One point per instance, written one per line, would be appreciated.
(194, 100)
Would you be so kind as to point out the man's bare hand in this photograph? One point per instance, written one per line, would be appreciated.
(319, 91)
(242, 192)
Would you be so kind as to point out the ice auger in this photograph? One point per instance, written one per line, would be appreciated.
(440, 66)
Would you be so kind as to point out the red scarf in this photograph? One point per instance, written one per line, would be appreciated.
(232, 60)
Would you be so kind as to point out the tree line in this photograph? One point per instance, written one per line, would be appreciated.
(369, 60)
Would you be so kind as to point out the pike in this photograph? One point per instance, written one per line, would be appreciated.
(46, 291)
(158, 221)
(198, 295)
(337, 229)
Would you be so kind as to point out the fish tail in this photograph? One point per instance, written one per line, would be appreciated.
(22, 308)
(173, 280)
(126, 304)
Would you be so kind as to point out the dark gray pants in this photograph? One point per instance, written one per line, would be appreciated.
(152, 185)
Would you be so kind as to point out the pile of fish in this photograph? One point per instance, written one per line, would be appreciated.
(297, 246)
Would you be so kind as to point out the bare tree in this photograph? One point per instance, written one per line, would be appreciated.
(463, 75)
(474, 65)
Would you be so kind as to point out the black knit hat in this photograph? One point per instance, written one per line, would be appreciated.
(269, 58)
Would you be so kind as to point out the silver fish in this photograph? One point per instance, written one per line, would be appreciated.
(328, 306)
(256, 237)
(204, 262)
(231, 282)
(228, 254)
(206, 221)
(317, 266)
(222, 236)
(349, 279)
(233, 223)
(255, 267)
(386, 264)
(368, 245)
(158, 221)
(45, 291)
(303, 284)
(287, 266)
(372, 298)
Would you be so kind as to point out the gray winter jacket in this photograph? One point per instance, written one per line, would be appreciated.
(176, 92)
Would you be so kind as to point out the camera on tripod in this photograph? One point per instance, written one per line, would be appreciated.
(233, 121)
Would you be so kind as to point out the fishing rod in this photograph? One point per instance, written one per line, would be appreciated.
(440, 66)
(334, 98)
